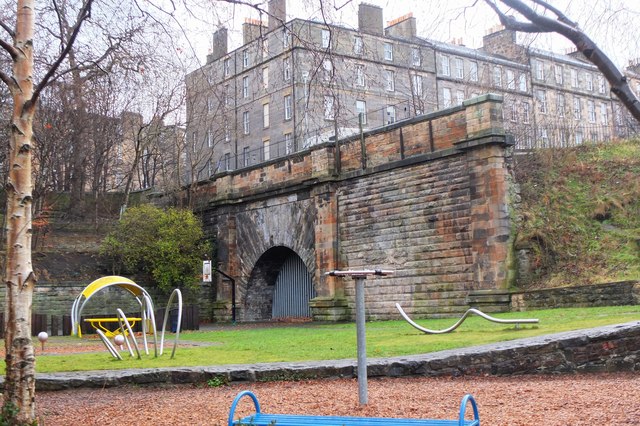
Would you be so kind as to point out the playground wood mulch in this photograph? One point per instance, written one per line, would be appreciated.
(550, 400)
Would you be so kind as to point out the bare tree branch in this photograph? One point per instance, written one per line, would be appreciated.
(61, 31)
(93, 64)
(561, 16)
(8, 29)
(83, 14)
(12, 51)
(565, 27)
(512, 23)
(545, 23)
(7, 80)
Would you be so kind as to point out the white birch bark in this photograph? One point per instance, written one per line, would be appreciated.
(19, 392)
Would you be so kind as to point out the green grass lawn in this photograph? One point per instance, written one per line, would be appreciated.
(303, 342)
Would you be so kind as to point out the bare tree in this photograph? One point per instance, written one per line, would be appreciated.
(553, 20)
(19, 390)
(149, 139)
(78, 63)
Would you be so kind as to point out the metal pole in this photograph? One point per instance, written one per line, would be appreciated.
(363, 147)
(359, 277)
(361, 341)
(338, 160)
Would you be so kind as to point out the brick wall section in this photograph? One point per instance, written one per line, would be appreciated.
(483, 117)
(383, 147)
(291, 170)
(489, 216)
(326, 239)
(414, 138)
(450, 129)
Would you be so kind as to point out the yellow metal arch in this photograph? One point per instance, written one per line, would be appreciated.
(95, 287)
(104, 282)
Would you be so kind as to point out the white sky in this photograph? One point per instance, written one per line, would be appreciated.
(613, 24)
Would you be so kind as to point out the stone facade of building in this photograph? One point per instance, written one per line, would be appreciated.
(295, 84)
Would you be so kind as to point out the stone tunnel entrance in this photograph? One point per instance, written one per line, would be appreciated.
(280, 286)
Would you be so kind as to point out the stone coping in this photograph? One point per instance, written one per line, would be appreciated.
(608, 348)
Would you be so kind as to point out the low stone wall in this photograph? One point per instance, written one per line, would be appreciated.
(611, 348)
(612, 294)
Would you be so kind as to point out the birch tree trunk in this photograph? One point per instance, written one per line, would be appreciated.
(19, 390)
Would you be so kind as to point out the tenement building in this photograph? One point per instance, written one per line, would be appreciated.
(294, 84)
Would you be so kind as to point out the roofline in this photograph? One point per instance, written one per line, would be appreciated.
(476, 54)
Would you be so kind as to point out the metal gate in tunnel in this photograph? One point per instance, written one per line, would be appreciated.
(293, 290)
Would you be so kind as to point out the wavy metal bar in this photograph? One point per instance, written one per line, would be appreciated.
(461, 320)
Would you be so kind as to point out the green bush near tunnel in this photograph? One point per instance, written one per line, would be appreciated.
(166, 245)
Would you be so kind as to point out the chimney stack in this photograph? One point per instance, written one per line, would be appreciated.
(219, 45)
(402, 27)
(277, 13)
(370, 19)
(252, 29)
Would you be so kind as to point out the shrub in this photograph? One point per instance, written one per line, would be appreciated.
(168, 246)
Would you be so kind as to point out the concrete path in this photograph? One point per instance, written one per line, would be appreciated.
(609, 348)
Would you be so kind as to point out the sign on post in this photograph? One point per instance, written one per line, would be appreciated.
(206, 271)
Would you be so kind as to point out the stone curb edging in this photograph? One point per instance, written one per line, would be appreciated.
(608, 348)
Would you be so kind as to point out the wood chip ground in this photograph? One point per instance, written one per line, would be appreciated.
(583, 399)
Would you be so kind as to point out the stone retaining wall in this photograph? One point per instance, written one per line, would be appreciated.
(611, 294)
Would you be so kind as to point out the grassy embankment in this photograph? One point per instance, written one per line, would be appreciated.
(580, 214)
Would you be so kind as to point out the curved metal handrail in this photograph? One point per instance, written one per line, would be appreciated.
(237, 399)
(461, 320)
(468, 399)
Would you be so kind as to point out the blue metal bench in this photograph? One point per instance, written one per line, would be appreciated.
(262, 419)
